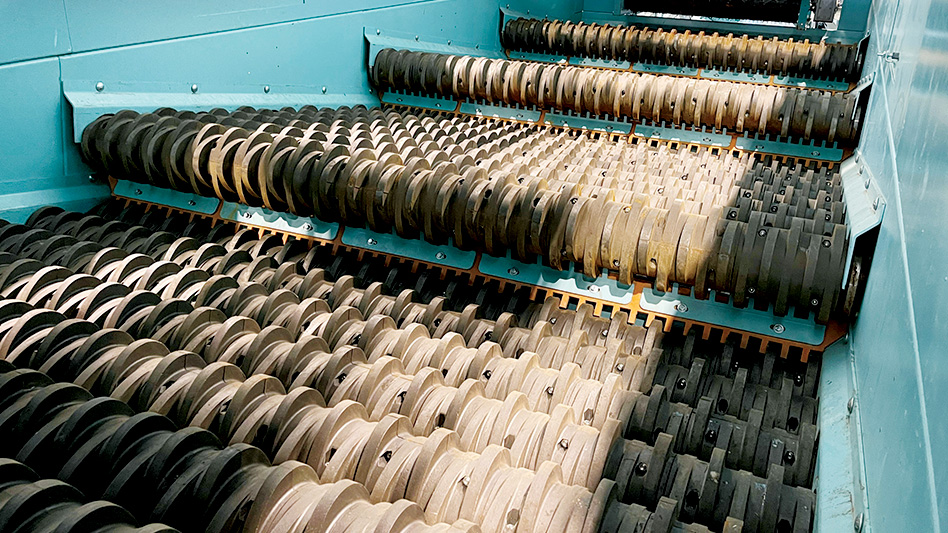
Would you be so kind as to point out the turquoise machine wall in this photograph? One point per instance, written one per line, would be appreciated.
(190, 54)
(234, 49)
(899, 339)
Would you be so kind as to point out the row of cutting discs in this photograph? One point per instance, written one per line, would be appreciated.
(835, 61)
(345, 326)
(801, 114)
(727, 237)
(193, 325)
(99, 447)
(29, 504)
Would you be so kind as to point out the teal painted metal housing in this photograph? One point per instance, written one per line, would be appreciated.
(265, 218)
(558, 280)
(419, 249)
(671, 133)
(598, 124)
(839, 478)
(724, 314)
(427, 102)
(898, 340)
(161, 196)
(887, 461)
(790, 147)
(500, 111)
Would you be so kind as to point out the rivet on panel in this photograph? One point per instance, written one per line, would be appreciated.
(194, 88)
(100, 86)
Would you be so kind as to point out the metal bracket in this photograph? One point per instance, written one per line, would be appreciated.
(811, 83)
(447, 255)
(158, 195)
(810, 151)
(729, 75)
(506, 14)
(576, 121)
(488, 110)
(89, 104)
(540, 58)
(380, 39)
(427, 102)
(839, 478)
(865, 204)
(665, 69)
(285, 222)
(724, 314)
(670, 133)
(864, 82)
(599, 63)
(566, 281)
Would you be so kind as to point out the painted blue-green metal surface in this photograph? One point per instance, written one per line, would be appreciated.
(573, 121)
(150, 53)
(89, 103)
(728, 75)
(724, 314)
(599, 63)
(559, 280)
(865, 203)
(285, 222)
(811, 83)
(899, 338)
(499, 111)
(838, 480)
(159, 195)
(427, 102)
(39, 164)
(670, 133)
(33, 30)
(542, 58)
(447, 255)
(792, 148)
(380, 39)
(674, 70)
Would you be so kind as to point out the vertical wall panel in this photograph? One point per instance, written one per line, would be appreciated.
(899, 339)
(32, 29)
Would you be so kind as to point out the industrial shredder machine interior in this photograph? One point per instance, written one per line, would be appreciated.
(436, 265)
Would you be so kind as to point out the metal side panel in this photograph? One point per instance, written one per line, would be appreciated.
(420, 249)
(899, 337)
(88, 103)
(38, 162)
(724, 314)
(33, 30)
(839, 479)
(382, 38)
